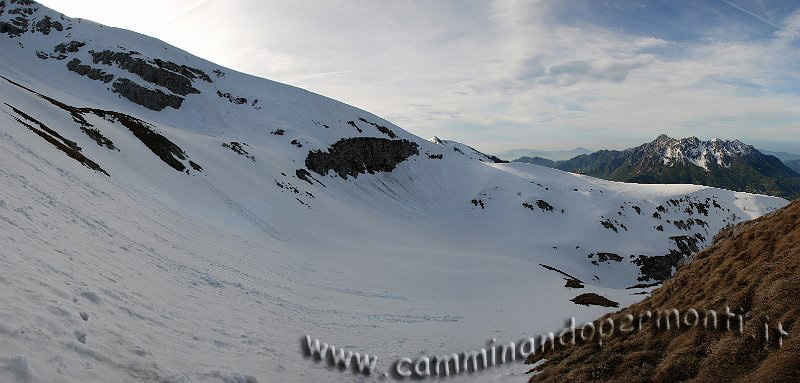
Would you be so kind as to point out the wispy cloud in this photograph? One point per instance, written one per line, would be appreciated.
(186, 10)
(759, 17)
(508, 73)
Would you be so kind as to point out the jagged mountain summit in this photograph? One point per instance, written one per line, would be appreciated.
(166, 219)
(719, 163)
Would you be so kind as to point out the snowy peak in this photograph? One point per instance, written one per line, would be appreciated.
(701, 153)
(719, 163)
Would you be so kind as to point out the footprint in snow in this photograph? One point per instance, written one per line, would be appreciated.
(91, 297)
(80, 335)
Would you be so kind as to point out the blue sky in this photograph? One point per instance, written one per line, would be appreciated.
(508, 74)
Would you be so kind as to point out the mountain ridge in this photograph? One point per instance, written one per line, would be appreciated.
(720, 163)
(554, 155)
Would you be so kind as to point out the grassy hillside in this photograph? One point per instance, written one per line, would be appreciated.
(753, 268)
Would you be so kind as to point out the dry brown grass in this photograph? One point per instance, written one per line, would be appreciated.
(755, 266)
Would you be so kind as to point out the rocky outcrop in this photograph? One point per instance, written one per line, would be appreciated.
(232, 99)
(380, 128)
(239, 149)
(497, 160)
(541, 204)
(161, 146)
(11, 30)
(70, 148)
(353, 124)
(178, 83)
(359, 155)
(62, 50)
(593, 299)
(86, 70)
(153, 99)
(183, 70)
(19, 24)
(71, 47)
(44, 26)
(605, 257)
(660, 267)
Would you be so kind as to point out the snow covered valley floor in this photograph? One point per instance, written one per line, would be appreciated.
(172, 299)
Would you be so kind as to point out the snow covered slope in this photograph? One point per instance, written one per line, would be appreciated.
(465, 150)
(165, 219)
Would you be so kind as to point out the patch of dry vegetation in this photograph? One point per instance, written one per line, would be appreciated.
(754, 266)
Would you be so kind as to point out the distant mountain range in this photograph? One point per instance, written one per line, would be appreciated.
(794, 165)
(720, 163)
(783, 156)
(553, 155)
(789, 159)
(537, 161)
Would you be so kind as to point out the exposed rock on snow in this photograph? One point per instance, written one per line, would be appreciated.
(151, 72)
(85, 70)
(466, 150)
(70, 148)
(153, 99)
(354, 156)
(71, 47)
(239, 149)
(594, 299)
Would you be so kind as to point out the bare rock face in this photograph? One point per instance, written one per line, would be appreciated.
(660, 267)
(161, 146)
(380, 128)
(22, 9)
(71, 47)
(593, 299)
(93, 73)
(11, 30)
(152, 73)
(153, 99)
(359, 155)
(183, 70)
(46, 24)
(232, 99)
(70, 148)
